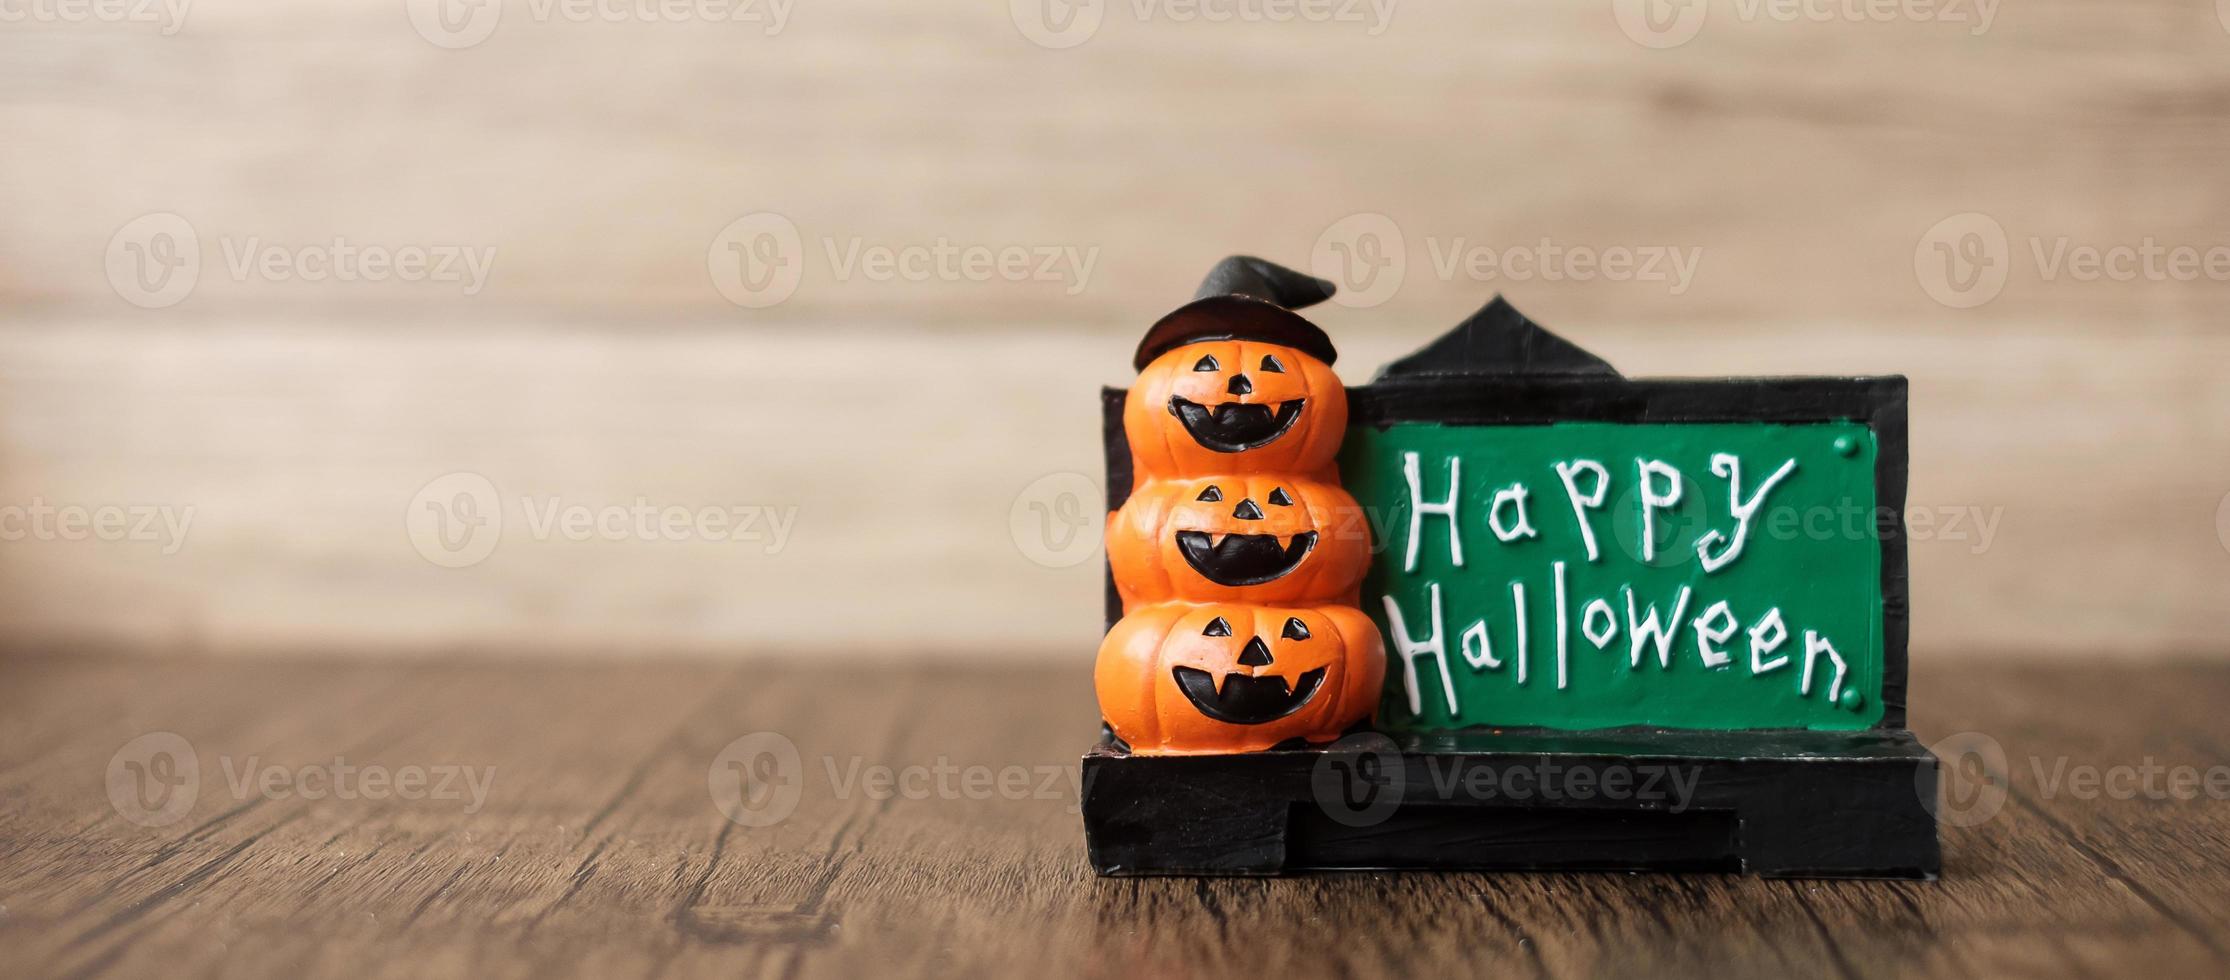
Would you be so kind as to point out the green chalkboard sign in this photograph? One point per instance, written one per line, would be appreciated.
(1591, 574)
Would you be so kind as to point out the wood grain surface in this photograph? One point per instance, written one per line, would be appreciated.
(909, 419)
(597, 849)
(2072, 499)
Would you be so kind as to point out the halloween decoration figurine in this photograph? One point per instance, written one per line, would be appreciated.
(1237, 555)
(1572, 635)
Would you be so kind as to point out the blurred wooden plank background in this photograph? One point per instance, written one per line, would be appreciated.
(910, 424)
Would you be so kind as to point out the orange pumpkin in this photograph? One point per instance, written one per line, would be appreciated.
(1184, 679)
(1234, 406)
(1263, 538)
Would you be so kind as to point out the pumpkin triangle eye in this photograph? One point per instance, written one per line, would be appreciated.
(1207, 362)
(1217, 627)
(1295, 629)
(1279, 498)
(1211, 495)
(1271, 364)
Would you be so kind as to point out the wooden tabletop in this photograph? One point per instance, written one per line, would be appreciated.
(513, 820)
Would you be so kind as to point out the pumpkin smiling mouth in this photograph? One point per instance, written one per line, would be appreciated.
(1235, 428)
(1243, 559)
(1246, 700)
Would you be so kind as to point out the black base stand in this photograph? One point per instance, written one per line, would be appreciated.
(1785, 804)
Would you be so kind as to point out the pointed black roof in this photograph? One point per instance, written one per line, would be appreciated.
(1497, 340)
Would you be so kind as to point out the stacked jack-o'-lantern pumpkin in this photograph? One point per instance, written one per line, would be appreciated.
(1237, 555)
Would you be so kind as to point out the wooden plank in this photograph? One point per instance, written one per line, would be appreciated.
(1805, 159)
(599, 851)
(301, 449)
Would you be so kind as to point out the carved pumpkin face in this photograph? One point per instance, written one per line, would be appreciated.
(1179, 679)
(1235, 406)
(1261, 538)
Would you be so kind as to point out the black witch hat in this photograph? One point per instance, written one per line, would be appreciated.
(1245, 298)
